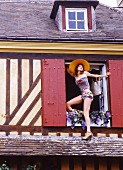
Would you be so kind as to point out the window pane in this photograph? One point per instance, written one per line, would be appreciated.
(71, 15)
(72, 25)
(80, 25)
(80, 15)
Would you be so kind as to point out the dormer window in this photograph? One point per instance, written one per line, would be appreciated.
(75, 15)
(76, 19)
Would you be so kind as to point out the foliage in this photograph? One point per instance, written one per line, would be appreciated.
(31, 167)
(100, 118)
(4, 167)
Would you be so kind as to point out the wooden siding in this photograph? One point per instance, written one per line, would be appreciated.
(116, 92)
(63, 163)
(53, 93)
(20, 92)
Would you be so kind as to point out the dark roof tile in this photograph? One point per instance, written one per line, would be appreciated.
(60, 145)
(32, 20)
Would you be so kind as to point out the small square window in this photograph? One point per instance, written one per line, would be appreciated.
(76, 19)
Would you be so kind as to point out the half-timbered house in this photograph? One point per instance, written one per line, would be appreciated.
(38, 40)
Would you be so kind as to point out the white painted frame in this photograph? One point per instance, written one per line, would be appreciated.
(67, 10)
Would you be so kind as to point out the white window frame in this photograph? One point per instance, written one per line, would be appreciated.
(103, 72)
(67, 10)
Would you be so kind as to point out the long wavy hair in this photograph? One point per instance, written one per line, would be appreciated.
(76, 69)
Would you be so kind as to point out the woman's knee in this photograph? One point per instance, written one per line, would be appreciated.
(86, 114)
(68, 105)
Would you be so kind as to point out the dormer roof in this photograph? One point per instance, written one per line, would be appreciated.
(79, 3)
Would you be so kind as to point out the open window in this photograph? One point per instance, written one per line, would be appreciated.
(100, 102)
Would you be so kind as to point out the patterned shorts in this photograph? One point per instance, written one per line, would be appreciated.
(87, 94)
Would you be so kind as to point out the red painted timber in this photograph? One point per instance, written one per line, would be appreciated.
(116, 92)
(53, 92)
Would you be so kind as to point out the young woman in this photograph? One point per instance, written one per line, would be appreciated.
(79, 70)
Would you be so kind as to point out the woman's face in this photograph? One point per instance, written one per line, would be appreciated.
(80, 67)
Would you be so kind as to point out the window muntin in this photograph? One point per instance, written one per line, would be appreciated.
(76, 19)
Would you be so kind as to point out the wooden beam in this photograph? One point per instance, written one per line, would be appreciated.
(30, 72)
(19, 79)
(13, 128)
(38, 114)
(29, 109)
(7, 90)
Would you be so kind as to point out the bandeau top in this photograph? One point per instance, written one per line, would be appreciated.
(83, 83)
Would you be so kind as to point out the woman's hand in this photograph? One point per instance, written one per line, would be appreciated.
(108, 74)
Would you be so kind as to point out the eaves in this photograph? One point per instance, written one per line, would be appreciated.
(62, 47)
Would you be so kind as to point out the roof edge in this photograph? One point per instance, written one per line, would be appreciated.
(67, 146)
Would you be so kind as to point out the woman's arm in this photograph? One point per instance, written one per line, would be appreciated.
(97, 75)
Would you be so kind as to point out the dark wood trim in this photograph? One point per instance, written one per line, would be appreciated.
(63, 18)
(95, 130)
(89, 14)
(30, 72)
(13, 128)
(45, 131)
(24, 98)
(71, 163)
(19, 79)
(96, 163)
(29, 109)
(7, 90)
(36, 56)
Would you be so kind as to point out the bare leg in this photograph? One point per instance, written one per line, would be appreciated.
(87, 104)
(76, 100)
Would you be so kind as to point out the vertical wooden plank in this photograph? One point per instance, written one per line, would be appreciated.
(63, 18)
(89, 17)
(2, 89)
(115, 164)
(65, 163)
(53, 92)
(13, 164)
(30, 72)
(77, 163)
(96, 163)
(19, 79)
(116, 92)
(102, 164)
(90, 164)
(7, 90)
